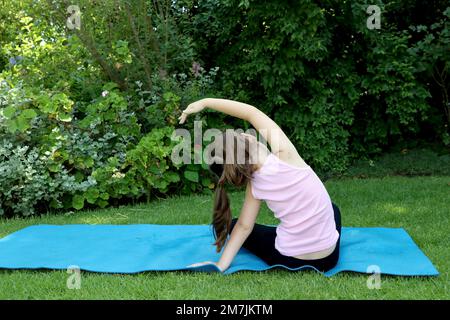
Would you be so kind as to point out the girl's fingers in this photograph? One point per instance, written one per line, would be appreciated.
(194, 265)
(198, 264)
(183, 118)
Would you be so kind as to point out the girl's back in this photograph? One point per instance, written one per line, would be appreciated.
(300, 201)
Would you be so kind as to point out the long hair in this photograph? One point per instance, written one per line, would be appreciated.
(230, 171)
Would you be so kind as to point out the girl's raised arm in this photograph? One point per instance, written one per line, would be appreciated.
(271, 132)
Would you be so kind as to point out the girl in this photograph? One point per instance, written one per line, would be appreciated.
(310, 224)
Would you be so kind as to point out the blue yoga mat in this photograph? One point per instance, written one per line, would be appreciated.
(147, 247)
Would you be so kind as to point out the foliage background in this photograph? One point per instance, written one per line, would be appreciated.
(86, 115)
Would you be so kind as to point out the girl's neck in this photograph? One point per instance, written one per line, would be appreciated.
(260, 155)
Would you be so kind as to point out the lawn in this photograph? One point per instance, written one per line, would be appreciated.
(420, 205)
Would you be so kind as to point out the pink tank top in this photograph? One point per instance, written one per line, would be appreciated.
(300, 201)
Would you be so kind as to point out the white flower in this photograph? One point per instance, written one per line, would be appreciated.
(118, 175)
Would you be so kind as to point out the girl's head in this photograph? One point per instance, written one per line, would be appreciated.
(234, 156)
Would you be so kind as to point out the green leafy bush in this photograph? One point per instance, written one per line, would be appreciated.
(338, 89)
(163, 104)
(432, 54)
(150, 164)
(60, 145)
(26, 184)
(87, 115)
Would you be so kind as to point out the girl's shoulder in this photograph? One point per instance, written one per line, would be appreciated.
(291, 159)
(272, 163)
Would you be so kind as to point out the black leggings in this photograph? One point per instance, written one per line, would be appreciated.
(261, 242)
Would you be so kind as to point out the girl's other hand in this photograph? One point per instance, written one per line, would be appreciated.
(194, 107)
(199, 264)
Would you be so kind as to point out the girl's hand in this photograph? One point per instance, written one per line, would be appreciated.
(199, 264)
(194, 107)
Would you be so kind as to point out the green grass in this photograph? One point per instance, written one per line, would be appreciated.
(403, 162)
(420, 205)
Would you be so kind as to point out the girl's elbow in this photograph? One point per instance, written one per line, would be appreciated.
(245, 227)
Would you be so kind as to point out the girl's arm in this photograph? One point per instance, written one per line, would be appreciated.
(241, 230)
(272, 133)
